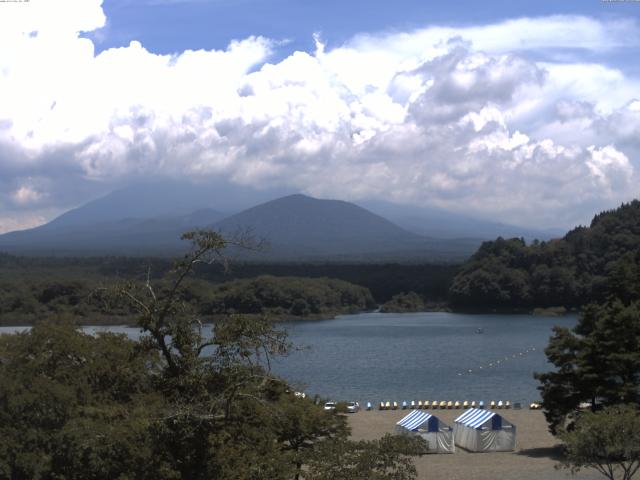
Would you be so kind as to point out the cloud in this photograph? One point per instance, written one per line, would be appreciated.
(11, 224)
(469, 119)
(26, 195)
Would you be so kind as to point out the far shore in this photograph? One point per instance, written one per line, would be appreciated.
(129, 321)
(536, 454)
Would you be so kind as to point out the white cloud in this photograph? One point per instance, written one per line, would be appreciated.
(26, 195)
(609, 167)
(461, 118)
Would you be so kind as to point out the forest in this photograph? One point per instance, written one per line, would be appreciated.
(33, 288)
(589, 264)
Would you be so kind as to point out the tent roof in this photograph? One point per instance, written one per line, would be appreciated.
(414, 419)
(475, 417)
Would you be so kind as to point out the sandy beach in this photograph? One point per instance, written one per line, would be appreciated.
(534, 459)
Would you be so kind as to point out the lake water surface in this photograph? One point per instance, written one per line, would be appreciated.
(421, 356)
(426, 356)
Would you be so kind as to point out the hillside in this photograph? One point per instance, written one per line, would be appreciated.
(142, 222)
(302, 227)
(128, 236)
(587, 264)
(438, 223)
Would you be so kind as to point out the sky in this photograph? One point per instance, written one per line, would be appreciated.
(524, 112)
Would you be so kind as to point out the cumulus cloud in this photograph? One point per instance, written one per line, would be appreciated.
(467, 119)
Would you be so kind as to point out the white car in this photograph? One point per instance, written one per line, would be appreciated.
(353, 407)
(330, 406)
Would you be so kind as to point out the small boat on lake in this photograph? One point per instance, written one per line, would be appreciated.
(479, 330)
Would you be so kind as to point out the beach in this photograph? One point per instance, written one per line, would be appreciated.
(534, 459)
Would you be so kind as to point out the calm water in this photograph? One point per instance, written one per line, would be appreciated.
(427, 356)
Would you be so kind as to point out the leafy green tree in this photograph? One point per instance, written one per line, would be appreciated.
(74, 404)
(607, 441)
(597, 362)
(301, 425)
(589, 264)
(388, 458)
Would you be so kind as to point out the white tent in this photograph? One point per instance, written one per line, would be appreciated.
(439, 436)
(479, 430)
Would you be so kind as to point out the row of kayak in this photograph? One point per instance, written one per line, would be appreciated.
(442, 405)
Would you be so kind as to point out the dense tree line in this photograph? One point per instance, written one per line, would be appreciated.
(32, 288)
(288, 296)
(589, 264)
(404, 303)
(25, 302)
(384, 280)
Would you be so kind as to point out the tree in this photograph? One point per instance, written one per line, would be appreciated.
(404, 302)
(186, 401)
(302, 425)
(607, 441)
(386, 459)
(593, 264)
(75, 405)
(598, 362)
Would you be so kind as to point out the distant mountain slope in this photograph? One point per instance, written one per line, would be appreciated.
(129, 236)
(162, 199)
(298, 226)
(141, 219)
(437, 223)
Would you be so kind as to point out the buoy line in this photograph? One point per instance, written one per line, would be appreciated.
(498, 362)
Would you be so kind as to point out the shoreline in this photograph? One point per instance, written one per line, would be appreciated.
(126, 321)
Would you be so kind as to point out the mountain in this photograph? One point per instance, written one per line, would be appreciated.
(128, 236)
(162, 199)
(302, 227)
(141, 219)
(438, 223)
(146, 220)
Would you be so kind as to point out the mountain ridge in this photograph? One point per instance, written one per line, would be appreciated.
(148, 219)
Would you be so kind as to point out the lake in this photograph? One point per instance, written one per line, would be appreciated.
(421, 356)
(426, 356)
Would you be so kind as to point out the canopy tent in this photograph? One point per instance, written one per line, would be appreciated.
(484, 431)
(439, 436)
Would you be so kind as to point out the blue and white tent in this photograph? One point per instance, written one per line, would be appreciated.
(479, 430)
(439, 436)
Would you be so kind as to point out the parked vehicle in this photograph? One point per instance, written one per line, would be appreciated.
(353, 407)
(330, 406)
